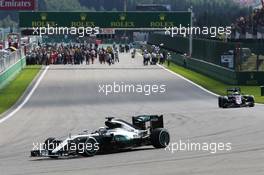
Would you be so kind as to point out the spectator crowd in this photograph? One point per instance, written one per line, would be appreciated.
(253, 23)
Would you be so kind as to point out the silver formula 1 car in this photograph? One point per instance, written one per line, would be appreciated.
(235, 98)
(115, 136)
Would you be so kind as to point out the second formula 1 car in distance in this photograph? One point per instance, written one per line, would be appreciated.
(116, 135)
(235, 98)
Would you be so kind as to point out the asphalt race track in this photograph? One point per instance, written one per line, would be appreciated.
(67, 101)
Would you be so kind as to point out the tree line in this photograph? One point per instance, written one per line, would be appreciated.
(207, 12)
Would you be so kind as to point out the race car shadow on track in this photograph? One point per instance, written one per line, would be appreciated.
(79, 156)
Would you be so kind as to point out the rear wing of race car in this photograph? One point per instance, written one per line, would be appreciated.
(141, 121)
(236, 89)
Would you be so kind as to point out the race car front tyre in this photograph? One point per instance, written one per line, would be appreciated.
(160, 138)
(220, 102)
(251, 101)
(50, 144)
(91, 147)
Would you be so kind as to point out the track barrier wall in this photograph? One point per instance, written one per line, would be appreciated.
(209, 64)
(203, 49)
(219, 73)
(214, 71)
(11, 72)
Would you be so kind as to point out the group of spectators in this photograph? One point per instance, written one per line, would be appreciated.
(252, 23)
(72, 54)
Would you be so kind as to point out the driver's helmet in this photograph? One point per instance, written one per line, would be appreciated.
(236, 93)
(102, 130)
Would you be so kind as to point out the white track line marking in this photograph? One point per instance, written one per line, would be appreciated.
(178, 75)
(197, 85)
(202, 88)
(27, 98)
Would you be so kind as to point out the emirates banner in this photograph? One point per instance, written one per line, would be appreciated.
(17, 4)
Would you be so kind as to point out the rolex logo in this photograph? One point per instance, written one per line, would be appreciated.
(83, 16)
(43, 16)
(122, 17)
(162, 17)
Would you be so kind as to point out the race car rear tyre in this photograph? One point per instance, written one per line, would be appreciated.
(252, 104)
(160, 138)
(91, 147)
(220, 102)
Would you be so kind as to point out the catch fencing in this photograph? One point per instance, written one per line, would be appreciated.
(8, 59)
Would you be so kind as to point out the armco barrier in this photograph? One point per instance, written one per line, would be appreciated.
(217, 72)
(222, 74)
(214, 71)
(207, 54)
(10, 72)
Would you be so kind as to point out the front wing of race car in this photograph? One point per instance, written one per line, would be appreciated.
(73, 145)
(42, 153)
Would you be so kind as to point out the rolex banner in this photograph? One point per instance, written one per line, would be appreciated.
(104, 19)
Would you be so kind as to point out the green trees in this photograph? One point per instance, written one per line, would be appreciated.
(7, 22)
(207, 12)
(64, 5)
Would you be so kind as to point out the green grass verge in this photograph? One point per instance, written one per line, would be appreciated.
(16, 87)
(214, 85)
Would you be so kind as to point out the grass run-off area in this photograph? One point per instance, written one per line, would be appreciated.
(16, 87)
(214, 85)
